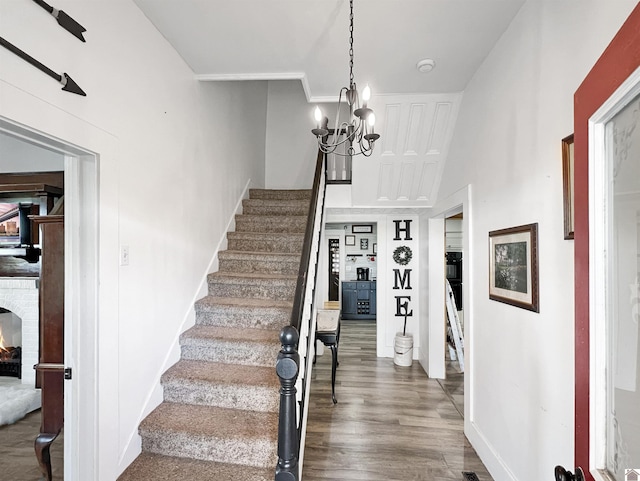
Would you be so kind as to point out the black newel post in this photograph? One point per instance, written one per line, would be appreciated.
(564, 475)
(287, 367)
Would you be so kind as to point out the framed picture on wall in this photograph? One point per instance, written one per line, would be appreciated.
(362, 229)
(513, 266)
(364, 244)
(349, 240)
(567, 185)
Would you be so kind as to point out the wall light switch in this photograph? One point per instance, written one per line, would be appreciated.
(124, 255)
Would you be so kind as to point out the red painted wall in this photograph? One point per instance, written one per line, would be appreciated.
(619, 60)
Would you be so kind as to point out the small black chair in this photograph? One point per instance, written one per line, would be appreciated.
(328, 332)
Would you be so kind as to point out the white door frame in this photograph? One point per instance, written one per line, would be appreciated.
(598, 268)
(457, 202)
(81, 299)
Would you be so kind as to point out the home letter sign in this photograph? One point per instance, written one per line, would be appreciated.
(406, 229)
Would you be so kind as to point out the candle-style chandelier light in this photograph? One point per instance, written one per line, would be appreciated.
(356, 135)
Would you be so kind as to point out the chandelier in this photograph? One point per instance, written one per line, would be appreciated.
(356, 134)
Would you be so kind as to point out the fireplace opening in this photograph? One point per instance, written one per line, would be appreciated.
(11, 362)
(10, 344)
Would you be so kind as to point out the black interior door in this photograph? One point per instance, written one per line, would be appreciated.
(334, 269)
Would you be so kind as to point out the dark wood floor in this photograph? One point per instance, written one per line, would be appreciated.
(17, 455)
(390, 423)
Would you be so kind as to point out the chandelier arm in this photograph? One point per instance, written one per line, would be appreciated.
(369, 148)
(326, 149)
(336, 134)
(357, 134)
(367, 152)
(337, 144)
(339, 104)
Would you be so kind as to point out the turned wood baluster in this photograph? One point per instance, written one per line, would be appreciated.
(287, 367)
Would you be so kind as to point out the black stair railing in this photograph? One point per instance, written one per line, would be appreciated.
(293, 365)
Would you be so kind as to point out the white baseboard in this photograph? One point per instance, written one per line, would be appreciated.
(487, 453)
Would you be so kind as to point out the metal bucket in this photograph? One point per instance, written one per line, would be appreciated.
(403, 350)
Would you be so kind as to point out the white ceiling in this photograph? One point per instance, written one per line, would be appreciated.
(308, 39)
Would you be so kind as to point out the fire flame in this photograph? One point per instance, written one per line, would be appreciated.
(2, 348)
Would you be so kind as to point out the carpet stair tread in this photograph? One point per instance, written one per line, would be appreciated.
(257, 235)
(260, 255)
(262, 285)
(212, 433)
(221, 373)
(251, 277)
(210, 302)
(226, 385)
(211, 333)
(273, 218)
(259, 262)
(279, 194)
(156, 467)
(288, 242)
(271, 223)
(211, 421)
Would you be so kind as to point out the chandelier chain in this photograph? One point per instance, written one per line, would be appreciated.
(351, 45)
(356, 135)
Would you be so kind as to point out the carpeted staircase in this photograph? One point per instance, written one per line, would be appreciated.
(219, 418)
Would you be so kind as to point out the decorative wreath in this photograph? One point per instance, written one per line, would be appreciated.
(402, 255)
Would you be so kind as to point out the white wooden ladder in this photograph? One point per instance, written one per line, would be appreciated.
(454, 329)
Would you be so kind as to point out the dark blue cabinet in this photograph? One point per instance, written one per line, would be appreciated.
(358, 300)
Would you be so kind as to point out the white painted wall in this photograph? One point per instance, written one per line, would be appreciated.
(175, 157)
(16, 155)
(515, 112)
(291, 148)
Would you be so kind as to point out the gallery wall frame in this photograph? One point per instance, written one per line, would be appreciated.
(513, 266)
(362, 229)
(349, 240)
(567, 185)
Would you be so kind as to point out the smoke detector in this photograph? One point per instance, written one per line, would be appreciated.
(426, 65)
